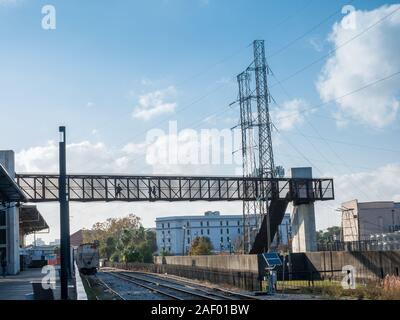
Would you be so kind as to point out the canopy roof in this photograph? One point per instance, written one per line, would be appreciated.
(9, 190)
(31, 220)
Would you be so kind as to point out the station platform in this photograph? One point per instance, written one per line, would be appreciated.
(19, 287)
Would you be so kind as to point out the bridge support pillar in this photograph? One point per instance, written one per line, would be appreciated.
(304, 237)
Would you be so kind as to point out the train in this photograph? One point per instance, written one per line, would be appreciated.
(87, 258)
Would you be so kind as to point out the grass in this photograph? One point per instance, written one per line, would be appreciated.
(94, 290)
(387, 289)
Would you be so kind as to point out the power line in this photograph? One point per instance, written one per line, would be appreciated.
(354, 144)
(288, 45)
(326, 143)
(338, 47)
(239, 51)
(318, 106)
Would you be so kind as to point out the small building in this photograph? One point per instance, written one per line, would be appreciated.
(362, 221)
(175, 234)
(10, 197)
(79, 237)
(16, 220)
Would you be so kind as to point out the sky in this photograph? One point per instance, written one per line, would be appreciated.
(117, 74)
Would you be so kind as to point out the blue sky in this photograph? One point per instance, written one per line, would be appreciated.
(92, 71)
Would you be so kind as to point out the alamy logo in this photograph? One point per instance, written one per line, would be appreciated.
(49, 19)
(349, 22)
(349, 280)
(49, 280)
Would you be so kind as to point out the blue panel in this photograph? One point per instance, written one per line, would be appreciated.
(272, 259)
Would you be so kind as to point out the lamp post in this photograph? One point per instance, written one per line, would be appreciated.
(64, 217)
(184, 239)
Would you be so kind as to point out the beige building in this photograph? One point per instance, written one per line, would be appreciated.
(361, 220)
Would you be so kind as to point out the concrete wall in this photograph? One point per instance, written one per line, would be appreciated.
(368, 264)
(13, 267)
(228, 262)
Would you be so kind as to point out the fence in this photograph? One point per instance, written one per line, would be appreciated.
(363, 245)
(245, 280)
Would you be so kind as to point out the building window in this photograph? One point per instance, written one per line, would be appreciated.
(238, 222)
(168, 224)
(227, 222)
(227, 231)
(220, 223)
(169, 249)
(3, 236)
(188, 232)
(169, 232)
(162, 225)
(208, 223)
(201, 231)
(2, 218)
(187, 224)
(163, 240)
(227, 239)
(208, 231)
(239, 230)
(201, 223)
(162, 232)
(188, 241)
(222, 231)
(169, 240)
(222, 239)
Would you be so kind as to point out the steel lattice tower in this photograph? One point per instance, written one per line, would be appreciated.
(257, 152)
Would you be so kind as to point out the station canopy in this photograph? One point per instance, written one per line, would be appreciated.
(31, 220)
(9, 190)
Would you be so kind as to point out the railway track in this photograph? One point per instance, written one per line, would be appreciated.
(112, 291)
(216, 292)
(173, 289)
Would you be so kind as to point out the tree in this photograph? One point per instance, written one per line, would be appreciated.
(329, 235)
(108, 249)
(201, 246)
(123, 239)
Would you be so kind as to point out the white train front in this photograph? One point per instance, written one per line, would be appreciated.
(87, 258)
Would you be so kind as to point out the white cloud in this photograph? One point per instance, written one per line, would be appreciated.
(90, 104)
(289, 114)
(316, 43)
(135, 148)
(380, 184)
(372, 56)
(83, 157)
(154, 103)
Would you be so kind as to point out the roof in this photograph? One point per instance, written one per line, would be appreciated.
(206, 217)
(31, 220)
(77, 238)
(9, 190)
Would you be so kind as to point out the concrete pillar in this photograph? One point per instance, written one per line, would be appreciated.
(7, 160)
(304, 236)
